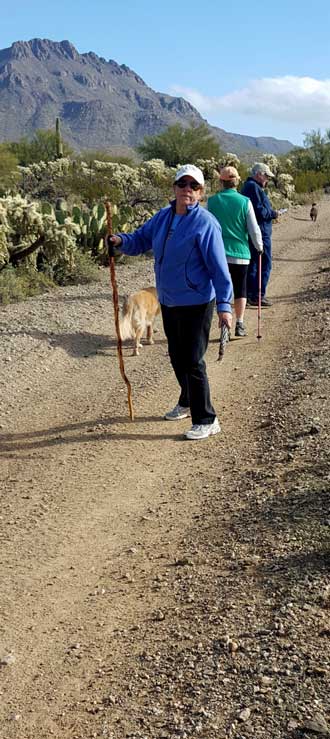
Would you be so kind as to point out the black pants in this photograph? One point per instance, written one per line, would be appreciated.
(238, 273)
(187, 329)
(266, 267)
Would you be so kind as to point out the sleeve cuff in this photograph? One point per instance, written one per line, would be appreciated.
(224, 308)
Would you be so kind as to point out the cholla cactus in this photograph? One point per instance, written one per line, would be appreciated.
(285, 185)
(140, 191)
(272, 162)
(155, 171)
(42, 177)
(209, 168)
(24, 219)
(287, 164)
(23, 225)
(229, 160)
(4, 231)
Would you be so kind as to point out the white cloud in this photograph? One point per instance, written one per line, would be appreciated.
(288, 99)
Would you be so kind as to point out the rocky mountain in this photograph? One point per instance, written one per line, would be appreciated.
(101, 104)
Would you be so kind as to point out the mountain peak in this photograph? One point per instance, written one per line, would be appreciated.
(101, 104)
(42, 49)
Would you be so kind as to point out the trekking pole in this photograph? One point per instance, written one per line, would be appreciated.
(116, 309)
(259, 297)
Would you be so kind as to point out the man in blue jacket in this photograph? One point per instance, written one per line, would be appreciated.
(253, 188)
(191, 276)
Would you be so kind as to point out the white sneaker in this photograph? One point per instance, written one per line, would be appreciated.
(178, 412)
(203, 430)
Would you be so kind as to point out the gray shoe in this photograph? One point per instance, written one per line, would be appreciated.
(240, 330)
(178, 412)
(203, 430)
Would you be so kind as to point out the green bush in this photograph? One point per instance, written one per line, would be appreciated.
(42, 147)
(177, 145)
(310, 181)
(19, 283)
(85, 270)
(305, 198)
(24, 281)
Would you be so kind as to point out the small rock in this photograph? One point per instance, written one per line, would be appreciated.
(15, 717)
(182, 562)
(225, 641)
(7, 659)
(317, 725)
(244, 715)
(158, 616)
(266, 680)
(292, 725)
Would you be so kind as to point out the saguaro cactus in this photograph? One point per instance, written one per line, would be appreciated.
(59, 143)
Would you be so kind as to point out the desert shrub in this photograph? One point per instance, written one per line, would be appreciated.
(84, 271)
(42, 147)
(305, 198)
(9, 173)
(19, 283)
(310, 181)
(178, 144)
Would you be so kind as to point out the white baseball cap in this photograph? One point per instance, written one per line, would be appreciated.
(262, 168)
(190, 169)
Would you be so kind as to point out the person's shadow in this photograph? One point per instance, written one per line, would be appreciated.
(82, 432)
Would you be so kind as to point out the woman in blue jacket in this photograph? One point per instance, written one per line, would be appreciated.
(191, 276)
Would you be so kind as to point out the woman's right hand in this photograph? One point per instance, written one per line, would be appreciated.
(111, 242)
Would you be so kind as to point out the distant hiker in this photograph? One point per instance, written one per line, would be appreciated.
(313, 212)
(191, 276)
(253, 188)
(238, 222)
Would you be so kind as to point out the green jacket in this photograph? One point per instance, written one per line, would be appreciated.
(230, 209)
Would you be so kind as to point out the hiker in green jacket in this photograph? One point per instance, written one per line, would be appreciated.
(237, 220)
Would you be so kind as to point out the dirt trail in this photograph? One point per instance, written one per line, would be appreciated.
(144, 577)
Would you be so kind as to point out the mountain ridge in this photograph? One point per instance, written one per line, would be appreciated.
(101, 103)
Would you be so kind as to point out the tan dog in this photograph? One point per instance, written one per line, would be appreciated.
(313, 212)
(138, 314)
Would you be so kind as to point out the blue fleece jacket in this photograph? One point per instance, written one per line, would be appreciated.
(191, 266)
(262, 208)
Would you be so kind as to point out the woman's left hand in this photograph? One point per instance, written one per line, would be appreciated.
(225, 318)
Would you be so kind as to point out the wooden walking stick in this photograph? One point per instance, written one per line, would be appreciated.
(116, 311)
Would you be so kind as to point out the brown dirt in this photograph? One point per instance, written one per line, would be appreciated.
(153, 587)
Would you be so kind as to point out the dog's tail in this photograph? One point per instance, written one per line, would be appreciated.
(125, 321)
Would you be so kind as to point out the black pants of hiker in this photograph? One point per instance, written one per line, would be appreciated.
(187, 329)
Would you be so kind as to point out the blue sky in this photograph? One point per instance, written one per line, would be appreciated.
(252, 68)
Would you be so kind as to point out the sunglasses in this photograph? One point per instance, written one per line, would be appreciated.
(185, 183)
